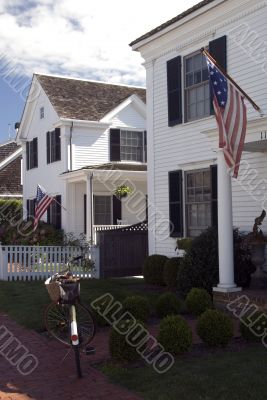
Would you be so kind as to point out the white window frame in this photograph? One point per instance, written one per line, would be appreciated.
(42, 114)
(143, 144)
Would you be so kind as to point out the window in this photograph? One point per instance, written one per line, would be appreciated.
(54, 213)
(128, 145)
(32, 154)
(197, 88)
(132, 146)
(41, 112)
(30, 208)
(102, 210)
(198, 201)
(53, 146)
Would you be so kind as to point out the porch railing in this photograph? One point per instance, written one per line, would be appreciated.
(97, 228)
(40, 262)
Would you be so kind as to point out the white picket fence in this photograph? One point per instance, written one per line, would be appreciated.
(40, 262)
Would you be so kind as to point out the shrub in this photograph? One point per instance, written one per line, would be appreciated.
(215, 328)
(200, 266)
(197, 301)
(175, 335)
(153, 269)
(138, 306)
(167, 304)
(247, 333)
(184, 244)
(120, 350)
(170, 271)
(10, 210)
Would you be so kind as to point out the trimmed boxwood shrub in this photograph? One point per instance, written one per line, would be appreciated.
(175, 335)
(248, 334)
(138, 306)
(197, 301)
(153, 269)
(215, 328)
(120, 350)
(170, 272)
(167, 304)
(200, 266)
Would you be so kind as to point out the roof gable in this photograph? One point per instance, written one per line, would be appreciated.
(85, 100)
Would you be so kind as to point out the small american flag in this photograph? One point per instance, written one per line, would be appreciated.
(42, 203)
(231, 116)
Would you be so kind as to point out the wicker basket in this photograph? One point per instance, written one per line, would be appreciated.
(66, 292)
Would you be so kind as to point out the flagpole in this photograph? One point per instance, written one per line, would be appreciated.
(59, 204)
(254, 105)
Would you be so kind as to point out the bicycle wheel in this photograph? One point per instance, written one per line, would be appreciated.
(77, 361)
(57, 323)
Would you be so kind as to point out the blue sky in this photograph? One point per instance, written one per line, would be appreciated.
(87, 39)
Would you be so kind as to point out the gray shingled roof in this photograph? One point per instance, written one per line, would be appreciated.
(10, 175)
(172, 21)
(85, 100)
(6, 149)
(117, 166)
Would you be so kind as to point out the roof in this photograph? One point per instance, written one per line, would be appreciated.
(85, 100)
(6, 149)
(10, 171)
(116, 166)
(172, 21)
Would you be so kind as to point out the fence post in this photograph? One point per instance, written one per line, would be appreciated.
(3, 264)
(96, 258)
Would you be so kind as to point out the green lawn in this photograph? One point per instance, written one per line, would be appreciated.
(25, 301)
(225, 376)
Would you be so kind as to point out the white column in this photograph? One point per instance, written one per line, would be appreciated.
(89, 206)
(225, 229)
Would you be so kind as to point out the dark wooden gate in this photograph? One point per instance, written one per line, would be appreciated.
(123, 251)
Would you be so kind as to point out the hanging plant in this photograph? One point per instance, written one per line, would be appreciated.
(123, 191)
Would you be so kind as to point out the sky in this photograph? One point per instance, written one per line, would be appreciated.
(79, 38)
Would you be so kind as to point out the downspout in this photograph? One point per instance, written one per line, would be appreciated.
(70, 143)
(92, 205)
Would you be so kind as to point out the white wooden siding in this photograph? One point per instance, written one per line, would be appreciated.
(185, 143)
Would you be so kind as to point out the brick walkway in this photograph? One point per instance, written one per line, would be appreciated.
(54, 379)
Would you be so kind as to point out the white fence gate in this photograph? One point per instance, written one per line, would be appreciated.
(40, 262)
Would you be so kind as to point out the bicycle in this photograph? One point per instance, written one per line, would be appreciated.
(66, 318)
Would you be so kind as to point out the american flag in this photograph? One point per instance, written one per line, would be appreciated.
(231, 116)
(42, 203)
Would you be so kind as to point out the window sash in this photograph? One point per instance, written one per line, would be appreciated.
(53, 146)
(102, 210)
(132, 146)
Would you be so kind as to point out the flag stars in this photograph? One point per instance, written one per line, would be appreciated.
(219, 92)
(215, 83)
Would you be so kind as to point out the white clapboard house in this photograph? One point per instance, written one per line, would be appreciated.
(183, 155)
(81, 140)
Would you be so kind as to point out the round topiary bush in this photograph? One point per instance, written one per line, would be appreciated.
(120, 350)
(138, 306)
(170, 272)
(246, 332)
(167, 304)
(215, 328)
(175, 335)
(197, 301)
(153, 269)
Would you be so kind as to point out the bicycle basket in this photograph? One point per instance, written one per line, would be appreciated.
(67, 292)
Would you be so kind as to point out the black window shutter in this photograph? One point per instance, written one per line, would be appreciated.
(174, 87)
(145, 146)
(176, 203)
(48, 145)
(85, 213)
(35, 152)
(115, 149)
(58, 144)
(214, 195)
(116, 209)
(27, 156)
(28, 209)
(49, 212)
(58, 212)
(218, 50)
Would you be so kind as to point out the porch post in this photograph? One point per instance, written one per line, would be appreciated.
(89, 208)
(225, 229)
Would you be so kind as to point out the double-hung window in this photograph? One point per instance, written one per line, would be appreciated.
(54, 213)
(102, 210)
(128, 145)
(53, 146)
(32, 154)
(197, 88)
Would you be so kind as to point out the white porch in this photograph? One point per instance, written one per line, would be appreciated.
(92, 205)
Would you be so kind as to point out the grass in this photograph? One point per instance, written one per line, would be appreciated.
(236, 376)
(26, 301)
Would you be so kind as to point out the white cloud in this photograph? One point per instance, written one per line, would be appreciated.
(81, 38)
